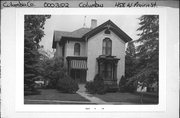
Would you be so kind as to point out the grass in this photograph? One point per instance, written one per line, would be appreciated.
(52, 96)
(133, 98)
(49, 96)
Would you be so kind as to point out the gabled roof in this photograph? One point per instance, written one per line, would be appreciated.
(87, 33)
(60, 35)
(109, 25)
(75, 34)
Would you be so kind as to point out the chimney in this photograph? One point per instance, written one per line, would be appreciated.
(93, 23)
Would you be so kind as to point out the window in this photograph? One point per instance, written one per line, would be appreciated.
(109, 71)
(107, 31)
(76, 49)
(107, 47)
(106, 70)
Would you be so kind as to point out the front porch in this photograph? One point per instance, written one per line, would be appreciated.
(107, 68)
(77, 68)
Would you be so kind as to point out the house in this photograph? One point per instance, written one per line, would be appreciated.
(95, 50)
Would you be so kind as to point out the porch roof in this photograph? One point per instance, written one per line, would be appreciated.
(76, 58)
(77, 62)
(107, 58)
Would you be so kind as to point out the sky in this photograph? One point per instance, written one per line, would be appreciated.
(128, 23)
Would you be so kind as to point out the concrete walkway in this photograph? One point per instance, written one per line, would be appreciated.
(92, 99)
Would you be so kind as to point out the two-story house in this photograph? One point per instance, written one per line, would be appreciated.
(95, 50)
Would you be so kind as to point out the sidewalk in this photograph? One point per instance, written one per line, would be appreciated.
(82, 92)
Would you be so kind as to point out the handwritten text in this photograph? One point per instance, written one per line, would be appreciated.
(135, 4)
(18, 4)
(87, 4)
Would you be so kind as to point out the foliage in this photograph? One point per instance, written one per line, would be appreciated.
(44, 54)
(130, 60)
(33, 32)
(122, 83)
(130, 51)
(90, 87)
(96, 86)
(54, 69)
(130, 87)
(34, 92)
(124, 87)
(99, 84)
(67, 84)
(146, 65)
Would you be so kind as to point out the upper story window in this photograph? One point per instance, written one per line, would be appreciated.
(107, 47)
(77, 47)
(107, 31)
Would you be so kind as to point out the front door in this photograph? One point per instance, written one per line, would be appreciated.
(79, 75)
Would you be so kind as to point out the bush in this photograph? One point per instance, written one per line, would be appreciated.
(96, 86)
(53, 70)
(35, 92)
(31, 90)
(124, 86)
(112, 87)
(67, 85)
(130, 87)
(90, 87)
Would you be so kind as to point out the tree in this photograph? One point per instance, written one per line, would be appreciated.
(130, 60)
(147, 52)
(44, 54)
(130, 50)
(33, 33)
(54, 69)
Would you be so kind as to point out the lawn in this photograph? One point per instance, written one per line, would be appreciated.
(52, 96)
(130, 98)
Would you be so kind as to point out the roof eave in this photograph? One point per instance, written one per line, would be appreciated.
(116, 30)
(64, 39)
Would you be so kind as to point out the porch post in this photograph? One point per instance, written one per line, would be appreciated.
(98, 67)
(69, 67)
(115, 71)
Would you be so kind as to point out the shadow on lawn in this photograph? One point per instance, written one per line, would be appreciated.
(130, 98)
(53, 94)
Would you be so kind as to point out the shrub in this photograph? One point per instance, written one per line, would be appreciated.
(96, 86)
(125, 86)
(34, 92)
(130, 87)
(122, 84)
(112, 87)
(67, 85)
(53, 70)
(90, 87)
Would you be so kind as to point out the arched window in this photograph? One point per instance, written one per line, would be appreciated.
(76, 49)
(107, 47)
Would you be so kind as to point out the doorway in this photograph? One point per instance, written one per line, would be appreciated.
(79, 75)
